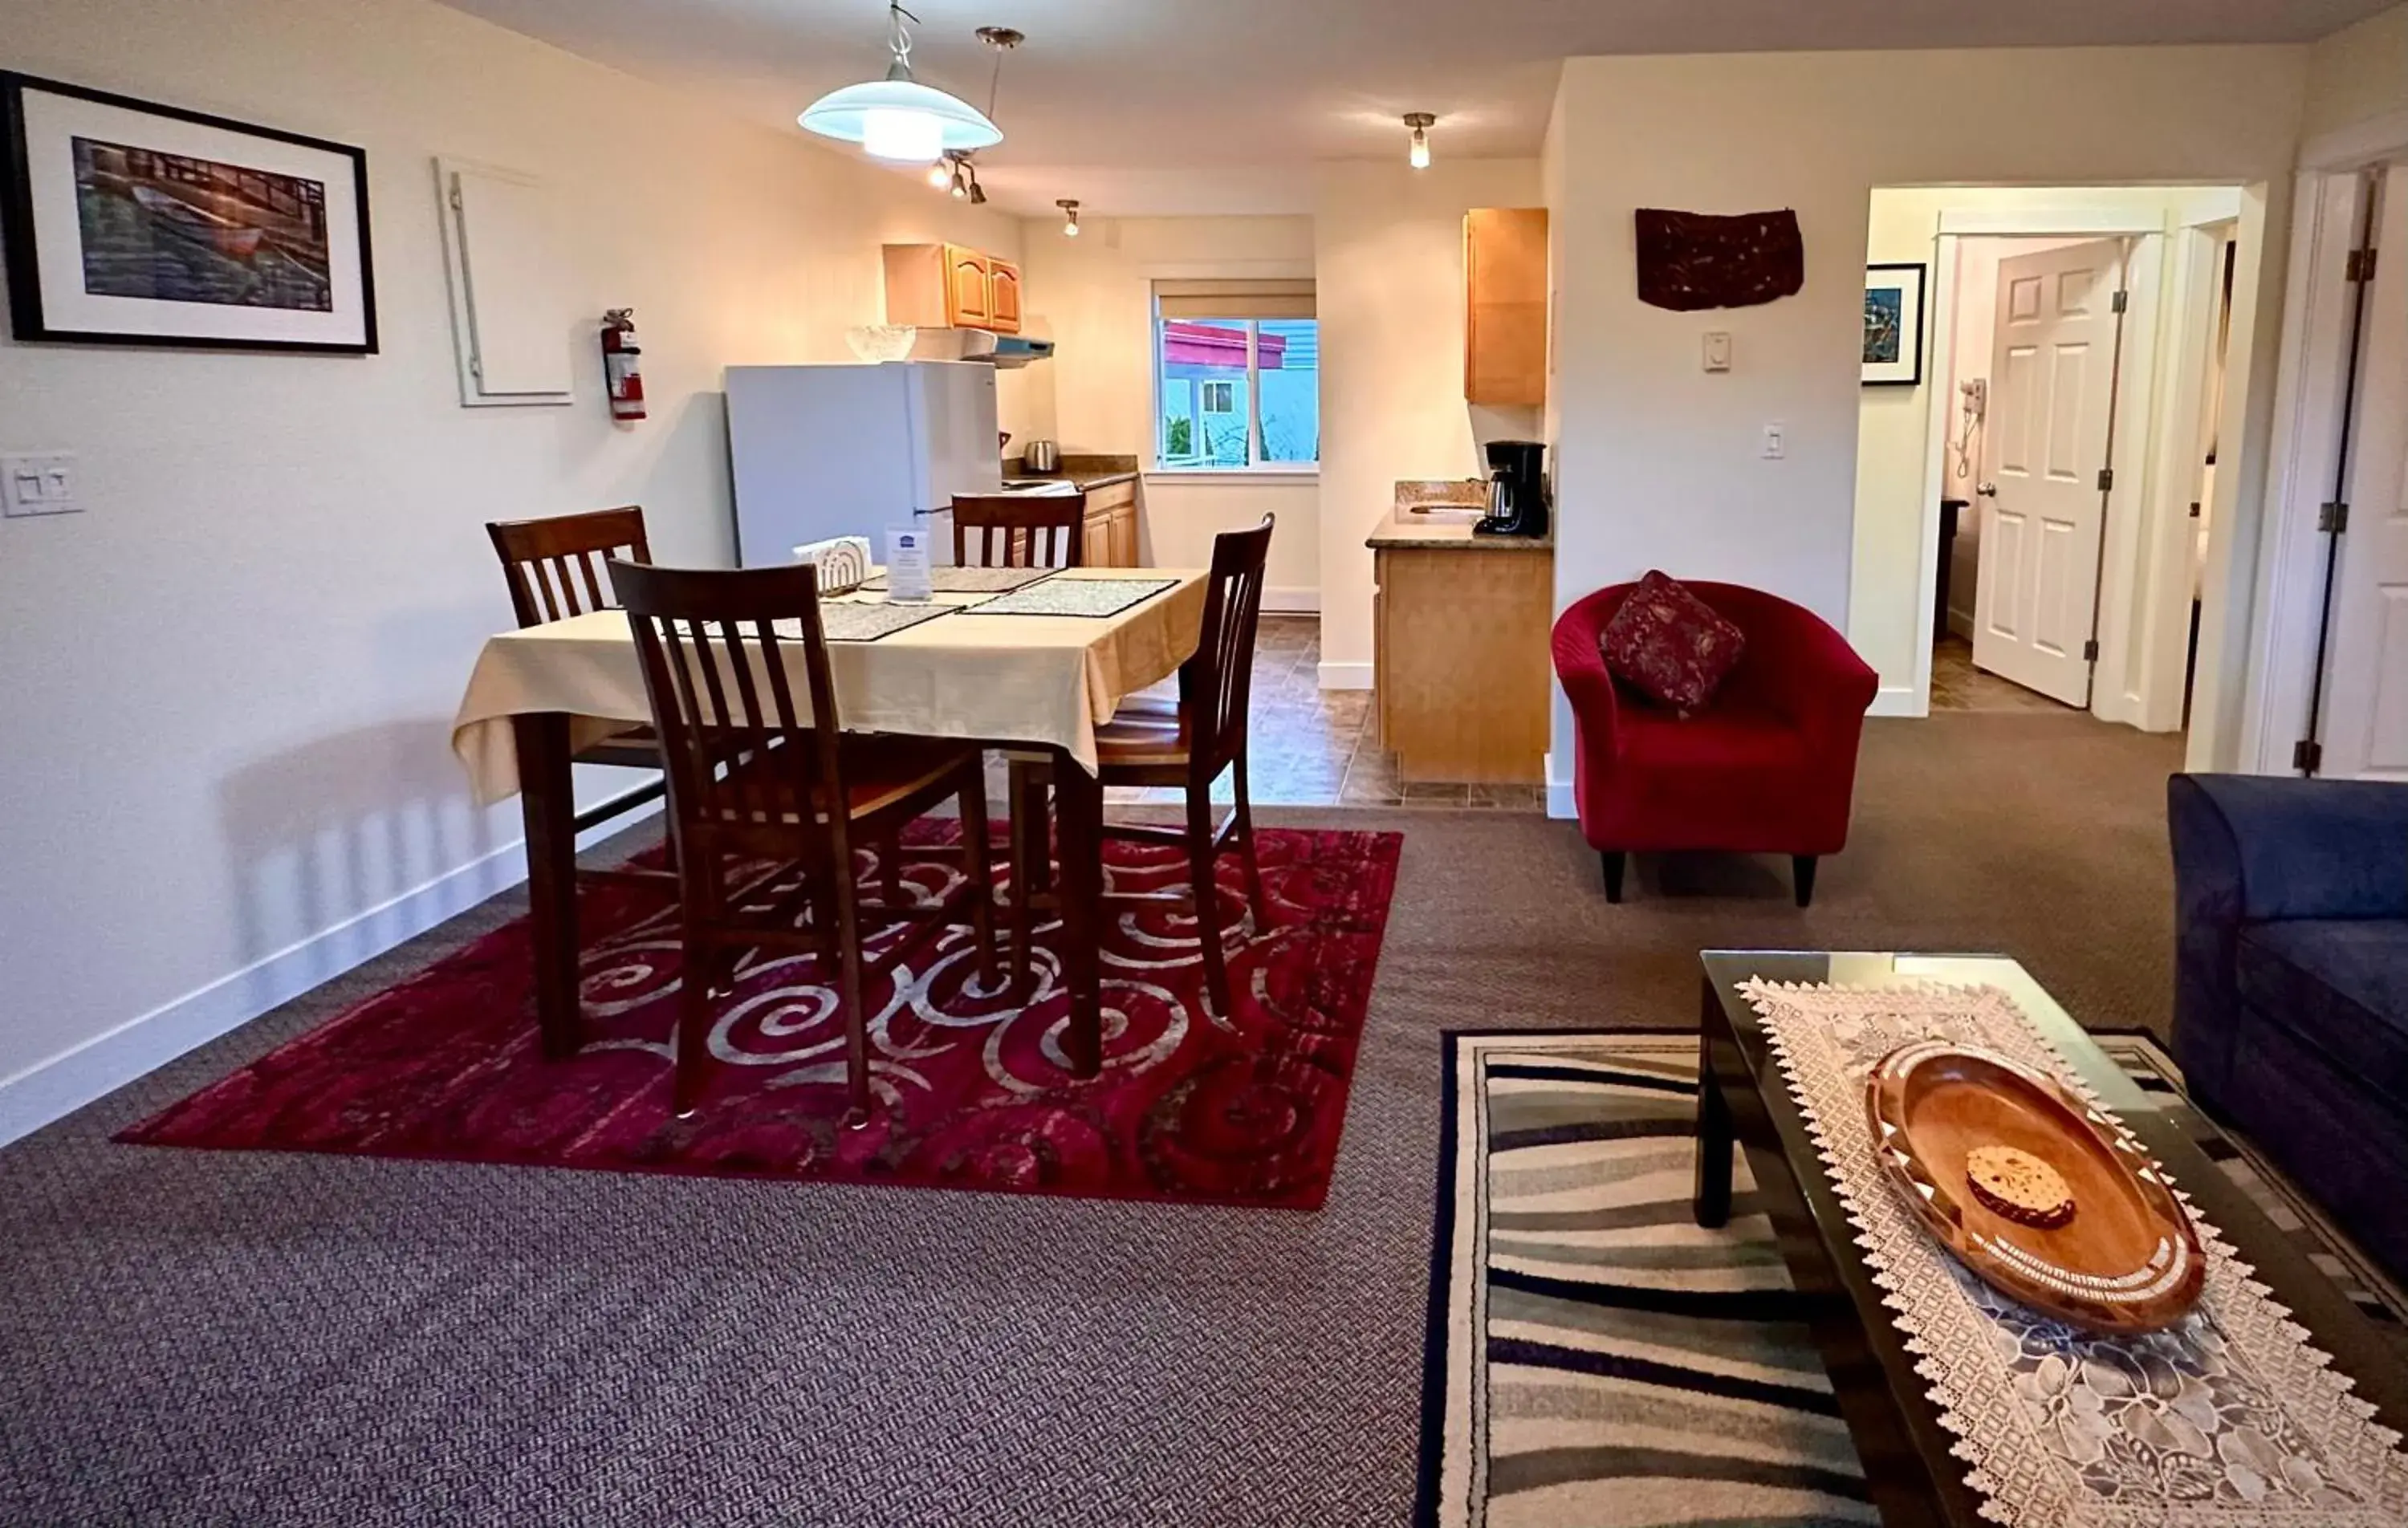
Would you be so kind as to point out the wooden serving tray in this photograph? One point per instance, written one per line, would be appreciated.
(2127, 1262)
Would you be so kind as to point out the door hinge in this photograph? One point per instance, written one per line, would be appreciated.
(2308, 756)
(2091, 650)
(2333, 518)
(2106, 479)
(2362, 265)
(2194, 509)
(2123, 301)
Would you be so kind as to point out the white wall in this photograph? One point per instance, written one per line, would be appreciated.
(2358, 73)
(228, 685)
(1887, 621)
(1388, 258)
(1093, 296)
(1659, 464)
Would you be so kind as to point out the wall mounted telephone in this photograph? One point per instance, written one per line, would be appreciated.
(1972, 408)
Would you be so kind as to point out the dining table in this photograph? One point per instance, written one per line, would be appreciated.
(1022, 681)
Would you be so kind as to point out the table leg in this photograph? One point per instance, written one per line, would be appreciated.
(1715, 1136)
(1079, 809)
(548, 800)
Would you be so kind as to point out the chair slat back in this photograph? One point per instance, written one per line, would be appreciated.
(1217, 683)
(555, 566)
(742, 752)
(1020, 530)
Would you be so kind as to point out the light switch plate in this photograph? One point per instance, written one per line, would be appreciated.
(38, 483)
(1718, 351)
(1776, 442)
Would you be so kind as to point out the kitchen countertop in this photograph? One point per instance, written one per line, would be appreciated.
(1080, 480)
(1395, 535)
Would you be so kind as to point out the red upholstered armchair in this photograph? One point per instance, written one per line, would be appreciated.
(1768, 767)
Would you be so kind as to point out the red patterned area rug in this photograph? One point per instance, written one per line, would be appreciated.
(971, 1091)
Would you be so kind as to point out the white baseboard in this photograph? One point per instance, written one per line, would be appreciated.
(1291, 602)
(1560, 805)
(1346, 675)
(53, 1089)
(1897, 700)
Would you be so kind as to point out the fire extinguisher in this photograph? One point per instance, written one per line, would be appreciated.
(619, 364)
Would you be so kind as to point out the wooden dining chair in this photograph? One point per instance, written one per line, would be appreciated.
(554, 569)
(1024, 530)
(1020, 530)
(1187, 744)
(758, 772)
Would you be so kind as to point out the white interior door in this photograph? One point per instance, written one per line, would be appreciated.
(2365, 716)
(2043, 508)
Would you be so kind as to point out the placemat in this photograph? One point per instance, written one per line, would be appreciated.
(974, 580)
(1089, 597)
(864, 621)
(2231, 1418)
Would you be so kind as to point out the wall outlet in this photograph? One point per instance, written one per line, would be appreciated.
(38, 483)
(1776, 444)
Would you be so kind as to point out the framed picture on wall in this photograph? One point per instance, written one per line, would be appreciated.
(133, 223)
(1893, 325)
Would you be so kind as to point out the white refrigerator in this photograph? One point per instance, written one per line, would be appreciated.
(819, 452)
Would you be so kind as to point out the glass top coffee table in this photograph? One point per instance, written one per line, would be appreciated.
(1744, 1100)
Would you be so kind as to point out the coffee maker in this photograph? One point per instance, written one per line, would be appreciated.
(1517, 490)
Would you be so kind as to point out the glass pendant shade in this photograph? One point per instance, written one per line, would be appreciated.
(900, 119)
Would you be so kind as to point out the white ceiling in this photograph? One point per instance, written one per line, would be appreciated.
(1151, 106)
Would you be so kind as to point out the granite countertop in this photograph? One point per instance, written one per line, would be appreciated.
(1394, 536)
(1080, 472)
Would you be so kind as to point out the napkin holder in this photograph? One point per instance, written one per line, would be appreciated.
(843, 561)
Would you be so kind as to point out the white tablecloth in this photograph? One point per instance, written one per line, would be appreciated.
(1036, 679)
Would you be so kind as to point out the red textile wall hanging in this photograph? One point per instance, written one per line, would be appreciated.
(1692, 260)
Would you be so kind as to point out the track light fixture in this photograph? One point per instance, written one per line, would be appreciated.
(1070, 218)
(1421, 122)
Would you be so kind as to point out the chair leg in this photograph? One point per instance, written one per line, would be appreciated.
(1030, 851)
(978, 859)
(1612, 860)
(890, 865)
(857, 1015)
(694, 995)
(1200, 879)
(1802, 867)
(1256, 905)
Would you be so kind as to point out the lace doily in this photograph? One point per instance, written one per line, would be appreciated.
(2231, 1418)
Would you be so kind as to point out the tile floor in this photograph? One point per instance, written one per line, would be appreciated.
(1957, 685)
(1311, 747)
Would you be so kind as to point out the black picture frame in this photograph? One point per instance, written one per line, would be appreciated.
(32, 311)
(1912, 283)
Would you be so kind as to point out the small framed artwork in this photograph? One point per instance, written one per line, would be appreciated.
(1893, 325)
(133, 223)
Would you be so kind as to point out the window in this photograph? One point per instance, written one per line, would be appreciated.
(1237, 376)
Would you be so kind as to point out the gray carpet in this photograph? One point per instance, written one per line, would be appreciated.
(200, 1338)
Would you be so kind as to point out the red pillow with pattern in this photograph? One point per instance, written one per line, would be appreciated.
(1670, 645)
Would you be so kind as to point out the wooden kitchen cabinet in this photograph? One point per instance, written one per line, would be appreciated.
(1461, 668)
(952, 286)
(1111, 533)
(1505, 305)
(1003, 296)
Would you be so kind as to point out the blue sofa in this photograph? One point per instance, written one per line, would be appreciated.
(2291, 983)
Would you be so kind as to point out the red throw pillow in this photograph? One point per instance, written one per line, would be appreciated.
(1670, 645)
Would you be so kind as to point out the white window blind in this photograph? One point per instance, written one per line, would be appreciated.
(1290, 298)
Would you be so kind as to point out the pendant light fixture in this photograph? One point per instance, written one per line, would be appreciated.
(1421, 122)
(897, 117)
(1070, 219)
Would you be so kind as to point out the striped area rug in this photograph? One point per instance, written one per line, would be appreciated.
(1595, 1360)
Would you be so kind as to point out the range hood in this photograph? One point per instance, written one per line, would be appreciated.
(1006, 352)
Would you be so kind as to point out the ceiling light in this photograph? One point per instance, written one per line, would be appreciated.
(897, 117)
(961, 187)
(940, 173)
(1421, 122)
(1070, 219)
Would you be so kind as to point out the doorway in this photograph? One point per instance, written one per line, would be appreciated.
(2048, 473)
